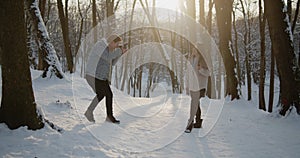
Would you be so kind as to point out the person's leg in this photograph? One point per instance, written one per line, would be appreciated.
(198, 123)
(108, 98)
(193, 110)
(95, 102)
(109, 101)
(91, 81)
(100, 95)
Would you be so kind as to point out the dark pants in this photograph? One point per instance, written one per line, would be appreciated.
(102, 89)
(198, 114)
(195, 107)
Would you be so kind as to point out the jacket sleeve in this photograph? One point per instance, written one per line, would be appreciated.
(114, 56)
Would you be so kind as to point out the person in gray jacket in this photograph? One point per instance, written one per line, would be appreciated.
(104, 54)
(198, 86)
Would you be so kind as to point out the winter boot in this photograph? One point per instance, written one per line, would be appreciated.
(89, 115)
(198, 123)
(189, 128)
(112, 119)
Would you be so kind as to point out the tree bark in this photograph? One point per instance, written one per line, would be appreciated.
(271, 90)
(53, 66)
(223, 10)
(18, 107)
(42, 6)
(289, 9)
(246, 49)
(236, 48)
(281, 37)
(262, 22)
(41, 63)
(65, 31)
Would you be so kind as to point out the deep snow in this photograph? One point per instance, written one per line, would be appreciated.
(150, 127)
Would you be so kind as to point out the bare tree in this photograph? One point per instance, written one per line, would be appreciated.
(63, 16)
(209, 16)
(18, 107)
(271, 90)
(223, 11)
(152, 20)
(236, 48)
(262, 23)
(202, 12)
(129, 46)
(284, 54)
(247, 39)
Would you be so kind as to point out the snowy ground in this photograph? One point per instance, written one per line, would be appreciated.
(149, 127)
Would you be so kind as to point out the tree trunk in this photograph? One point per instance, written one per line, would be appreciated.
(129, 45)
(94, 17)
(18, 107)
(150, 78)
(236, 48)
(223, 10)
(246, 42)
(109, 8)
(53, 66)
(289, 9)
(202, 12)
(271, 90)
(65, 31)
(42, 6)
(284, 53)
(152, 20)
(262, 22)
(209, 16)
(41, 63)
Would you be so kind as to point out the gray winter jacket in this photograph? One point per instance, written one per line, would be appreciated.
(100, 60)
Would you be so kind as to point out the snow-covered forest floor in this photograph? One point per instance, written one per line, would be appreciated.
(150, 127)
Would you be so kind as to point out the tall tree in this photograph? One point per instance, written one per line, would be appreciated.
(271, 90)
(246, 45)
(202, 12)
(94, 14)
(236, 47)
(129, 46)
(262, 23)
(18, 107)
(53, 66)
(63, 16)
(209, 16)
(152, 18)
(223, 11)
(284, 53)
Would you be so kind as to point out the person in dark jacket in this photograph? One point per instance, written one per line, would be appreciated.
(103, 56)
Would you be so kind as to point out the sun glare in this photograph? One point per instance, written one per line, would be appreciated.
(169, 4)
